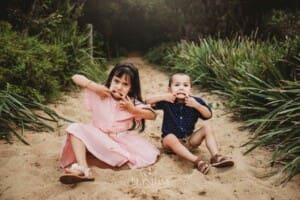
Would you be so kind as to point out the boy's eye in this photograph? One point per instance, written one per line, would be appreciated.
(176, 84)
(186, 85)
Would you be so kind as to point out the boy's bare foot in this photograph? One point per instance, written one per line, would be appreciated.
(202, 166)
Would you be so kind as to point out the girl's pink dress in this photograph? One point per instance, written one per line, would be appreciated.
(107, 137)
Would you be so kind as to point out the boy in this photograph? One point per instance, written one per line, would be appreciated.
(181, 112)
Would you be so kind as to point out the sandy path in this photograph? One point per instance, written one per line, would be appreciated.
(31, 172)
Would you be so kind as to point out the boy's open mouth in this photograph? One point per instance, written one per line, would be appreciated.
(181, 93)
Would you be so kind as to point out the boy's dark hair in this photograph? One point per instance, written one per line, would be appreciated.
(177, 73)
(132, 72)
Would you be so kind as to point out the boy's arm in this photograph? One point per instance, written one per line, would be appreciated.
(205, 112)
(91, 85)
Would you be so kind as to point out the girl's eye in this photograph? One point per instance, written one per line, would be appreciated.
(176, 85)
(186, 85)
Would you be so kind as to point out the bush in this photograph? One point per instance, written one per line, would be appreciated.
(32, 67)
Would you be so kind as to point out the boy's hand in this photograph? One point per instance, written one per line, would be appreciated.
(190, 101)
(103, 91)
(126, 104)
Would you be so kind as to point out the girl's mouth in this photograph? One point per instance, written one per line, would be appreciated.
(114, 92)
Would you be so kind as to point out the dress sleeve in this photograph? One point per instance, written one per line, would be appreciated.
(90, 99)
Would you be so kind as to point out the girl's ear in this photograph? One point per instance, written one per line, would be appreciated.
(169, 89)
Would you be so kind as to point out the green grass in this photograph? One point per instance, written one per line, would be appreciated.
(19, 113)
(261, 82)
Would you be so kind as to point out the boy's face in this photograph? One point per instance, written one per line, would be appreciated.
(180, 86)
(120, 86)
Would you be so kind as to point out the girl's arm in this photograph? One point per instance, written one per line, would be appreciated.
(91, 85)
(164, 97)
(144, 113)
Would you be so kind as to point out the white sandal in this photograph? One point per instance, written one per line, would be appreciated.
(73, 178)
(84, 170)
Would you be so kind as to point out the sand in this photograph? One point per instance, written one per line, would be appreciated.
(32, 172)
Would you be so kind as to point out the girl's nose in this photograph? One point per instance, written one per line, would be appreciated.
(118, 86)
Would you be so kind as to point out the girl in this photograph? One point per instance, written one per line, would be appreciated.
(117, 109)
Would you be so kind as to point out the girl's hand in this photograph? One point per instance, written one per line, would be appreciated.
(190, 101)
(169, 97)
(102, 91)
(126, 104)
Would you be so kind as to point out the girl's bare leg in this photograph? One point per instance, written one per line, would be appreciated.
(79, 150)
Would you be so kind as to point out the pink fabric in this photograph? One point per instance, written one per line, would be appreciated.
(107, 137)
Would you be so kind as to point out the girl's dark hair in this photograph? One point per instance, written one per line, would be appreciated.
(132, 72)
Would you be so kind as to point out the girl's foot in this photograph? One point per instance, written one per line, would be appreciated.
(202, 166)
(76, 174)
(73, 171)
(221, 161)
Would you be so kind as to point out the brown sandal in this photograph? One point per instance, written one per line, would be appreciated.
(202, 166)
(221, 161)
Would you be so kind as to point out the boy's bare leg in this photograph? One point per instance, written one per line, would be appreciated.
(171, 141)
(205, 133)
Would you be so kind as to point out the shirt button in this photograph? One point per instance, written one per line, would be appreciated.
(180, 117)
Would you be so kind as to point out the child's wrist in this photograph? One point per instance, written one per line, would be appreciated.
(88, 83)
(133, 110)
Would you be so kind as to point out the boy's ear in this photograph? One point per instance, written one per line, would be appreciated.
(169, 89)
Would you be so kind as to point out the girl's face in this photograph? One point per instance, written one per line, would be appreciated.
(180, 86)
(120, 86)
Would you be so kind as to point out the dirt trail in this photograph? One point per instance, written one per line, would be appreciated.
(31, 172)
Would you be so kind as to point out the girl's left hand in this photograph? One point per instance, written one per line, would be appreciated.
(190, 101)
(126, 104)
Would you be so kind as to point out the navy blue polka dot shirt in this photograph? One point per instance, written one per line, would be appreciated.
(178, 118)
